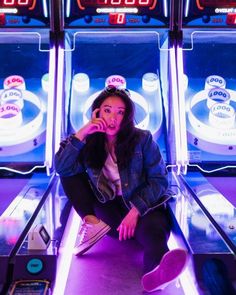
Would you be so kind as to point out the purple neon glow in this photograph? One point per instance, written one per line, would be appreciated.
(50, 208)
(50, 110)
(175, 107)
(187, 279)
(66, 253)
(182, 112)
(60, 84)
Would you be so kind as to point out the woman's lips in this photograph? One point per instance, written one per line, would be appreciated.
(111, 126)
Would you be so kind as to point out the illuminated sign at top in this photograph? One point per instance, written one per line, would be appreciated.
(215, 3)
(116, 3)
(29, 4)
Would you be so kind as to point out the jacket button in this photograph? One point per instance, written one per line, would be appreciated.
(126, 184)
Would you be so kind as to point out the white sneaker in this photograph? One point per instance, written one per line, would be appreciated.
(171, 266)
(90, 234)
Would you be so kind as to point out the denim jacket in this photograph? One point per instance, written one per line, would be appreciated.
(144, 182)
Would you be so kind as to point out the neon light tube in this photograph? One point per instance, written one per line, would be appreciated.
(182, 114)
(66, 253)
(45, 9)
(165, 8)
(59, 98)
(175, 108)
(68, 8)
(50, 110)
(186, 8)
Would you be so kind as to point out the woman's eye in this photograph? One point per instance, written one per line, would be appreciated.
(107, 110)
(121, 113)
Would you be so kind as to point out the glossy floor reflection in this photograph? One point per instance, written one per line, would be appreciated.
(226, 186)
(9, 190)
(111, 268)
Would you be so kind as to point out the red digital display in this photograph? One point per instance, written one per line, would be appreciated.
(116, 3)
(216, 3)
(231, 19)
(2, 19)
(117, 19)
(17, 3)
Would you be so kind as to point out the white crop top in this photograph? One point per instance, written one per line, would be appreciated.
(110, 171)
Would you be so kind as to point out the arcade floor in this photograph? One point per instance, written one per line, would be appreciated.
(115, 268)
(111, 268)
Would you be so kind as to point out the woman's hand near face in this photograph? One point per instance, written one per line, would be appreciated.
(96, 124)
(128, 225)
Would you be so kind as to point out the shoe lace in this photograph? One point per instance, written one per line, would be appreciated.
(83, 231)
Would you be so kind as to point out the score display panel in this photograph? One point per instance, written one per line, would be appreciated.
(24, 13)
(113, 13)
(27, 4)
(215, 3)
(209, 39)
(209, 13)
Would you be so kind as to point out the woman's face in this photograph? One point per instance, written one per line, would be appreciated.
(112, 110)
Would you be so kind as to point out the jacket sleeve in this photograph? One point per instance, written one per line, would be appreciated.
(66, 159)
(151, 191)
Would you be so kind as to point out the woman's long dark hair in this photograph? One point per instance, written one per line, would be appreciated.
(94, 152)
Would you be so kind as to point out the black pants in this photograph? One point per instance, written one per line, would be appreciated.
(152, 231)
